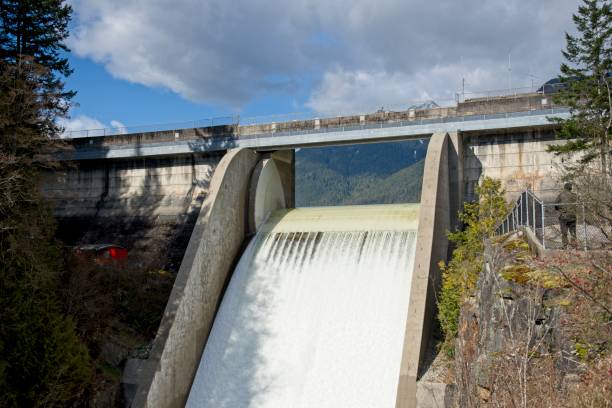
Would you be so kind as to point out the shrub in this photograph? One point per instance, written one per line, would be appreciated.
(459, 276)
(42, 361)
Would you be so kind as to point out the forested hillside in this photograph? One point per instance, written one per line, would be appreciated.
(381, 173)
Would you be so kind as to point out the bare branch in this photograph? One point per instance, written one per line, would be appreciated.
(583, 291)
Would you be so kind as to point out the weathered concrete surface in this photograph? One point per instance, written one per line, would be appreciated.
(214, 244)
(509, 103)
(285, 163)
(434, 395)
(516, 157)
(149, 206)
(134, 373)
(155, 187)
(432, 244)
(265, 193)
(455, 181)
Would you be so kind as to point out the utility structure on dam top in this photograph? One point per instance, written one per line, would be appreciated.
(219, 186)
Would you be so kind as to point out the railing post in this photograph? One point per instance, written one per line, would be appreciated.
(515, 218)
(521, 219)
(543, 229)
(533, 214)
(527, 208)
(585, 229)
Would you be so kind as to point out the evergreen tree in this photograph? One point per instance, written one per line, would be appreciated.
(32, 66)
(586, 75)
(33, 32)
(43, 363)
(42, 360)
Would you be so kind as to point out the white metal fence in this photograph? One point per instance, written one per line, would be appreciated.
(558, 225)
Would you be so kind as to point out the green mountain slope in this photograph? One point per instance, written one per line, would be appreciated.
(377, 173)
(318, 185)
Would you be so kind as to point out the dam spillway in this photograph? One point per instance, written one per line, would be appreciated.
(315, 312)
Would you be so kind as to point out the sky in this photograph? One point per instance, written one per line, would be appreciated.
(139, 62)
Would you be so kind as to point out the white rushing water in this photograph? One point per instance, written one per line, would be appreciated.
(315, 312)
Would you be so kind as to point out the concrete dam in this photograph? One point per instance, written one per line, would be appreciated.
(277, 306)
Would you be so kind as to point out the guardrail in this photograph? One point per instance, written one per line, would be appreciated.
(235, 134)
(557, 225)
(296, 116)
(160, 127)
(176, 143)
(546, 89)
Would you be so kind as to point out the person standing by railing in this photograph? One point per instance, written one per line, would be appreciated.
(566, 206)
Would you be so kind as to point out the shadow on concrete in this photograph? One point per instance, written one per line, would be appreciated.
(147, 205)
(517, 157)
(221, 137)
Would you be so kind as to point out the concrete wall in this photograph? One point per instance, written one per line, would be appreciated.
(148, 206)
(285, 163)
(214, 245)
(432, 244)
(456, 179)
(134, 187)
(510, 103)
(518, 158)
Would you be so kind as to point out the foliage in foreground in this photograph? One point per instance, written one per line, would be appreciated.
(537, 332)
(586, 74)
(459, 276)
(42, 361)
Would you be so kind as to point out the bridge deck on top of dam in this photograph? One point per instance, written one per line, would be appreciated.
(522, 111)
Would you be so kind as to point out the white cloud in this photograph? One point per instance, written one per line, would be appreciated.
(81, 122)
(119, 127)
(83, 125)
(343, 91)
(224, 52)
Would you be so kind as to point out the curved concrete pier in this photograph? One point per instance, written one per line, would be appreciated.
(432, 247)
(241, 179)
(208, 261)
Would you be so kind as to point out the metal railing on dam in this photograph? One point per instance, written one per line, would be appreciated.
(350, 133)
(557, 225)
(489, 99)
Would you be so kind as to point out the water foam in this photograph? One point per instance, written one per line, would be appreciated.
(314, 314)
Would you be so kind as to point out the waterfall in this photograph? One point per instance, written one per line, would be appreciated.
(315, 312)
